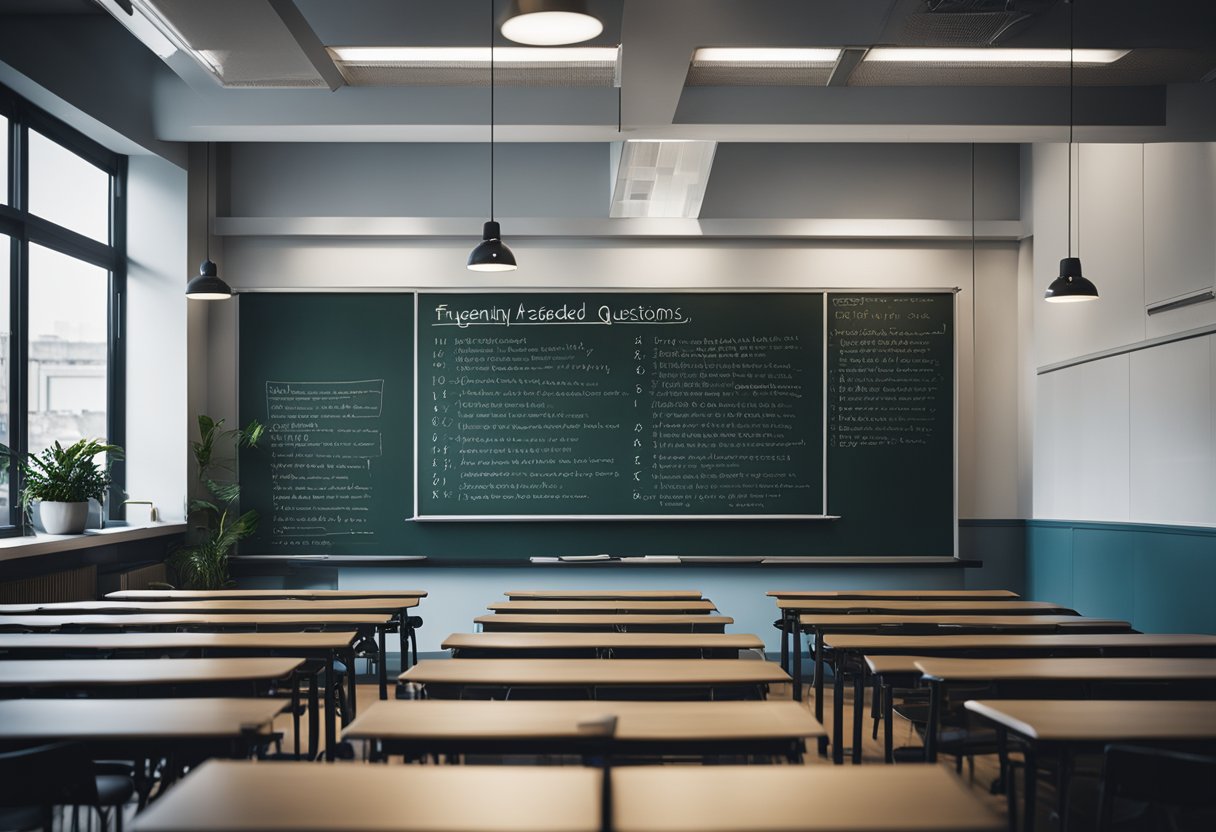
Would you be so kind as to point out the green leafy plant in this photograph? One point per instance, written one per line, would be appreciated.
(67, 475)
(202, 561)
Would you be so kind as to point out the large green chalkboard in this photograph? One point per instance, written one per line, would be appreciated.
(891, 466)
(889, 404)
(331, 378)
(626, 405)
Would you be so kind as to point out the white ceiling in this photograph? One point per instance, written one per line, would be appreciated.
(281, 41)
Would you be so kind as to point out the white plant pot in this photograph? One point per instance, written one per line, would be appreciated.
(63, 518)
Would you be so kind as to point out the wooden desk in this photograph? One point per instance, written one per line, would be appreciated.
(67, 673)
(603, 594)
(643, 729)
(372, 625)
(46, 675)
(819, 625)
(396, 607)
(1062, 728)
(599, 645)
(259, 594)
(802, 798)
(849, 650)
(1038, 677)
(180, 732)
(906, 594)
(879, 606)
(620, 607)
(881, 594)
(791, 608)
(889, 672)
(224, 796)
(591, 622)
(389, 606)
(448, 675)
(321, 648)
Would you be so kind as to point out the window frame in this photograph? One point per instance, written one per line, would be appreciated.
(24, 228)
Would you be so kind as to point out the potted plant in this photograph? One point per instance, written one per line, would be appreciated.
(61, 480)
(202, 561)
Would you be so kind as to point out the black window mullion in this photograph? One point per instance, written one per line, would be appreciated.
(116, 358)
(24, 228)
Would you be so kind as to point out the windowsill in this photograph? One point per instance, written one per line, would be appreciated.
(12, 548)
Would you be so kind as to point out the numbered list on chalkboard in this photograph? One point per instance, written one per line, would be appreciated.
(574, 405)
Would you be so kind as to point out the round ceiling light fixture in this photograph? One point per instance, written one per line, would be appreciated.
(550, 22)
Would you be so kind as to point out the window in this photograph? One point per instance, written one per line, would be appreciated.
(62, 282)
(68, 190)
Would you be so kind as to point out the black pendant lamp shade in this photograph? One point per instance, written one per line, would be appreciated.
(208, 285)
(491, 254)
(1071, 285)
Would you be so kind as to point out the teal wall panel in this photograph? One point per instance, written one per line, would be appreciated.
(1103, 567)
(1049, 564)
(1160, 578)
(1175, 583)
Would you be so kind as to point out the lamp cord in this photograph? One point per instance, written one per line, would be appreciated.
(1071, 44)
(207, 205)
(491, 110)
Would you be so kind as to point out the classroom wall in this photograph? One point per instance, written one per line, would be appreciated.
(298, 182)
(156, 343)
(1125, 441)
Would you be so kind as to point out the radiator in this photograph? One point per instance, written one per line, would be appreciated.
(72, 585)
(142, 576)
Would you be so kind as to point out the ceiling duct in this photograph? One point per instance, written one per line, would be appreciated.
(968, 22)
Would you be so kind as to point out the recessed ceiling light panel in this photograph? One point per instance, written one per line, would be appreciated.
(909, 55)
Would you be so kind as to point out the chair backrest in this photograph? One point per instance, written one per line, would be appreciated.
(1159, 777)
(47, 775)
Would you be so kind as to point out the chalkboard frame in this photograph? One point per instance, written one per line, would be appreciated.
(781, 540)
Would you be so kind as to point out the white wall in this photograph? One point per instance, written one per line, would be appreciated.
(156, 339)
(1129, 436)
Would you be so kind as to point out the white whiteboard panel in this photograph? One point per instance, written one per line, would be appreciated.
(1081, 442)
(1179, 215)
(1173, 453)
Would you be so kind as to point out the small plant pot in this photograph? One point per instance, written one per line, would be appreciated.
(63, 518)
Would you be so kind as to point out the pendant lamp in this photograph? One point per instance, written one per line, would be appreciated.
(208, 285)
(1071, 285)
(491, 254)
(550, 22)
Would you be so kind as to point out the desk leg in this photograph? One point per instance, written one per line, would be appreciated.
(817, 634)
(403, 637)
(888, 714)
(1032, 776)
(838, 717)
(350, 683)
(314, 716)
(796, 661)
(1064, 776)
(382, 663)
(859, 700)
(331, 715)
(935, 707)
(785, 642)
(295, 709)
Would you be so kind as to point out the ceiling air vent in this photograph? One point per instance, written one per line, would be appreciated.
(968, 22)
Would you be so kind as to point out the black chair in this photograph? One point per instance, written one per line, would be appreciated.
(1168, 790)
(40, 778)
